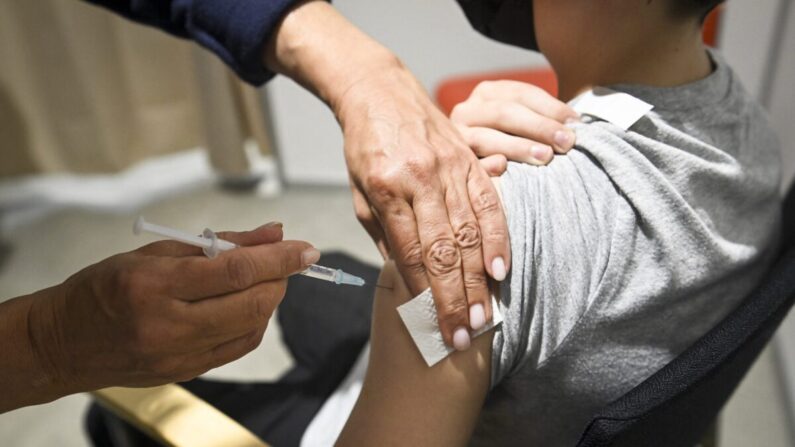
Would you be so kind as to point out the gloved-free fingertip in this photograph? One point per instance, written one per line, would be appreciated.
(498, 271)
(310, 256)
(564, 139)
(541, 153)
(461, 339)
(477, 316)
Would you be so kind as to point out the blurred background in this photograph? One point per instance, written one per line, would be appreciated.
(102, 120)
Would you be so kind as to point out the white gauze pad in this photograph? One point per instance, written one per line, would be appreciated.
(621, 109)
(419, 316)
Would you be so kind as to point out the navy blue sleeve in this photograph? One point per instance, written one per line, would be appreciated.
(236, 30)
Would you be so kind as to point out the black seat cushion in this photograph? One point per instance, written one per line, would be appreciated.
(788, 221)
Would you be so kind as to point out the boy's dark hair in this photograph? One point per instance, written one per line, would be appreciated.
(698, 8)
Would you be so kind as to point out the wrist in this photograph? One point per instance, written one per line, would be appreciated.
(51, 362)
(27, 375)
(321, 50)
(386, 92)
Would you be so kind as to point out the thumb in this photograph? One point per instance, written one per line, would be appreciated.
(279, 259)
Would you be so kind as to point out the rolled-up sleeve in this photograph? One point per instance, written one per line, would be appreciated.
(236, 30)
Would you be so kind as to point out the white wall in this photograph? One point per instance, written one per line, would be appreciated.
(748, 37)
(746, 33)
(431, 36)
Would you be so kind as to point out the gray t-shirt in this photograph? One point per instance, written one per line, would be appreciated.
(625, 251)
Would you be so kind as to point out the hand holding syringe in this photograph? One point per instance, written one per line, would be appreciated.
(212, 246)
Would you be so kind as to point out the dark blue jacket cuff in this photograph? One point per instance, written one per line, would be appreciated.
(236, 30)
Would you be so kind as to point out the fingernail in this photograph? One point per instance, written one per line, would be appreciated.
(564, 139)
(273, 224)
(498, 268)
(310, 256)
(541, 153)
(461, 339)
(572, 120)
(477, 316)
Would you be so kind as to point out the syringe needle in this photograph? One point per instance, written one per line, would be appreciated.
(353, 280)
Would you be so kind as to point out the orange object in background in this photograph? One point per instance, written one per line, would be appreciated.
(457, 89)
(709, 31)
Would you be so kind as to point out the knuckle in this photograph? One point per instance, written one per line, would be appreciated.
(239, 271)
(486, 202)
(484, 88)
(495, 236)
(443, 257)
(381, 185)
(411, 256)
(455, 114)
(475, 280)
(452, 312)
(468, 236)
(422, 166)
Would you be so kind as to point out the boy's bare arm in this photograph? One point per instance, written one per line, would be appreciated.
(403, 401)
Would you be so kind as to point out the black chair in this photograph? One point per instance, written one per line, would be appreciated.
(678, 404)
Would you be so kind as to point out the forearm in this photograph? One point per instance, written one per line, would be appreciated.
(396, 140)
(26, 376)
(320, 49)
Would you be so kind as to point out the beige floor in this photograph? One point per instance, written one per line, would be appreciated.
(47, 252)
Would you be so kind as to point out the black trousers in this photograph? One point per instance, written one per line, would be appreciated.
(324, 326)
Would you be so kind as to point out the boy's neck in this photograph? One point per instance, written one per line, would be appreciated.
(667, 60)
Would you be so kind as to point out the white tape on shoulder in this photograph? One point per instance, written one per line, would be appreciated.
(621, 109)
(419, 316)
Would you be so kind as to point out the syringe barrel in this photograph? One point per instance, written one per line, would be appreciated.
(325, 273)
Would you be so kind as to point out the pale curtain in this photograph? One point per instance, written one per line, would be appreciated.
(83, 90)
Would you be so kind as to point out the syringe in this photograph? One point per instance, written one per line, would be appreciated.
(212, 246)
